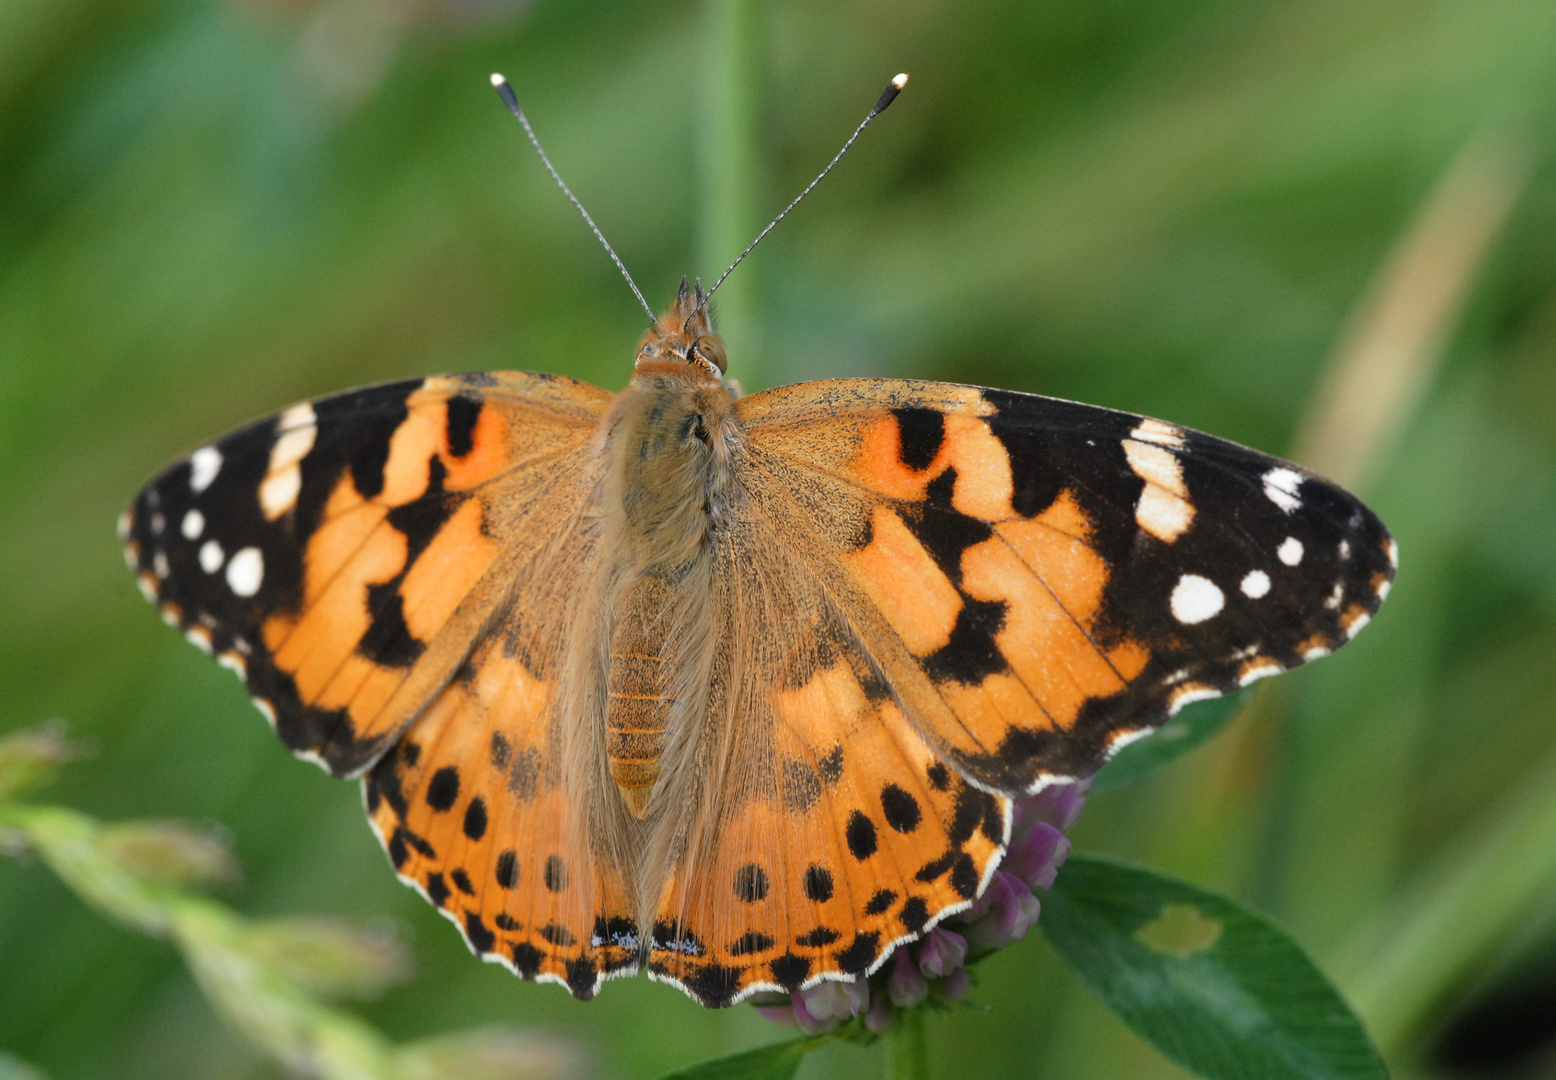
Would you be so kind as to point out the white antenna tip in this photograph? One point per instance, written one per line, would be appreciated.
(498, 80)
(899, 82)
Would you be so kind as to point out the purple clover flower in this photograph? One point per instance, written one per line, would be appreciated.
(935, 966)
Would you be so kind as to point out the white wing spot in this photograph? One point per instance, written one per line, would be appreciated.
(278, 493)
(204, 464)
(1336, 595)
(300, 415)
(1195, 599)
(1280, 486)
(246, 571)
(1290, 551)
(211, 556)
(124, 525)
(1392, 550)
(193, 525)
(234, 662)
(159, 565)
(158, 523)
(1383, 590)
(1317, 652)
(1354, 627)
(1163, 509)
(1163, 514)
(1345, 550)
(1154, 431)
(1255, 583)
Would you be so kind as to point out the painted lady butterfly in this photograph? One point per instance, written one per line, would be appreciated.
(733, 688)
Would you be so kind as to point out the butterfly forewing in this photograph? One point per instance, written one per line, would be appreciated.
(343, 555)
(1041, 580)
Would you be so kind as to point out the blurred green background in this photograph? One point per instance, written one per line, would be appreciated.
(1203, 210)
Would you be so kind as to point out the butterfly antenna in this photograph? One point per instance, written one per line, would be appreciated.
(888, 96)
(510, 99)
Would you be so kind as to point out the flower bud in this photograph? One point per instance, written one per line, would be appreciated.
(941, 952)
(178, 854)
(907, 986)
(1003, 914)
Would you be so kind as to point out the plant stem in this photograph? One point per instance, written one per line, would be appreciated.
(729, 166)
(907, 1048)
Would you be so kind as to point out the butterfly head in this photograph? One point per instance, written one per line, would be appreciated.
(684, 335)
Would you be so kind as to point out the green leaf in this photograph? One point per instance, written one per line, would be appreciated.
(1209, 984)
(777, 1062)
(1177, 737)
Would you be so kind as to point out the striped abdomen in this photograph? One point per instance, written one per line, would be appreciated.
(639, 689)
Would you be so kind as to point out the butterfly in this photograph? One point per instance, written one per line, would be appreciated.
(736, 689)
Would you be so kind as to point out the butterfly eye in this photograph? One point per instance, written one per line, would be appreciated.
(710, 349)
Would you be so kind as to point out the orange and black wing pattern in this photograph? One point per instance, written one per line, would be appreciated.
(479, 812)
(827, 830)
(344, 555)
(1040, 581)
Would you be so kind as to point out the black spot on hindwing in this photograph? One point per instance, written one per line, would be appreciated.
(818, 884)
(860, 954)
(901, 809)
(881, 902)
(751, 883)
(914, 914)
(508, 869)
(751, 942)
(481, 939)
(860, 834)
(443, 789)
(789, 971)
(475, 818)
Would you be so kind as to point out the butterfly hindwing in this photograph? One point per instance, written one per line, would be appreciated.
(474, 808)
(827, 830)
(342, 555)
(1040, 580)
